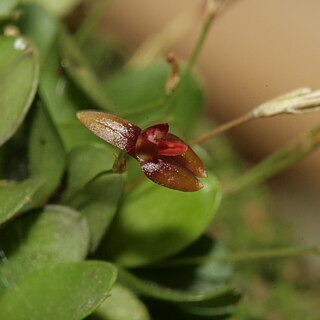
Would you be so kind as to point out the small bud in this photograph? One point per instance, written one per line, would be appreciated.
(174, 75)
(299, 101)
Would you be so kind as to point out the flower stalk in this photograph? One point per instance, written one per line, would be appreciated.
(302, 100)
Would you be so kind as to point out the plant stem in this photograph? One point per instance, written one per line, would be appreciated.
(203, 35)
(91, 21)
(277, 162)
(234, 123)
(244, 256)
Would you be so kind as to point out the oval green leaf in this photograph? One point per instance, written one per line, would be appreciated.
(85, 163)
(155, 222)
(47, 158)
(68, 291)
(13, 197)
(19, 73)
(40, 239)
(62, 102)
(98, 202)
(114, 307)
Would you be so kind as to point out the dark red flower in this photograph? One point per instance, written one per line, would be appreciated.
(164, 158)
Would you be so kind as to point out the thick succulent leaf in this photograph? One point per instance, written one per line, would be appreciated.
(167, 173)
(63, 103)
(116, 131)
(86, 162)
(65, 291)
(122, 304)
(40, 26)
(139, 93)
(41, 239)
(98, 202)
(47, 158)
(57, 7)
(19, 73)
(155, 222)
(79, 70)
(13, 197)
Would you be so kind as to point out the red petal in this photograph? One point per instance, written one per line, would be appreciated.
(189, 159)
(116, 131)
(156, 132)
(171, 148)
(168, 174)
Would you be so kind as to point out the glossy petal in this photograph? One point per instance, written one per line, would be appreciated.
(189, 159)
(166, 172)
(116, 131)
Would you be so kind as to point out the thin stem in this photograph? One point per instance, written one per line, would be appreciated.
(229, 125)
(88, 25)
(277, 162)
(244, 256)
(204, 32)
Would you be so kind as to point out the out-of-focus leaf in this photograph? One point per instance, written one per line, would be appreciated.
(86, 162)
(98, 201)
(46, 155)
(63, 103)
(6, 6)
(19, 73)
(41, 239)
(57, 7)
(80, 71)
(156, 291)
(155, 222)
(121, 305)
(139, 94)
(65, 291)
(40, 26)
(14, 197)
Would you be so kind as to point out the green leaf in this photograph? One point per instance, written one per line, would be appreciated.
(155, 222)
(19, 73)
(65, 291)
(41, 239)
(139, 93)
(98, 201)
(13, 197)
(62, 103)
(40, 26)
(57, 7)
(157, 291)
(47, 158)
(80, 71)
(86, 162)
(6, 6)
(114, 307)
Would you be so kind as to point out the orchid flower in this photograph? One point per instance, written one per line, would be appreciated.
(164, 158)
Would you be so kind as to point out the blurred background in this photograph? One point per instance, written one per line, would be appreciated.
(255, 51)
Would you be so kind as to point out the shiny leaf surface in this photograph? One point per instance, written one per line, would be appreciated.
(65, 291)
(40, 239)
(19, 72)
(156, 222)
